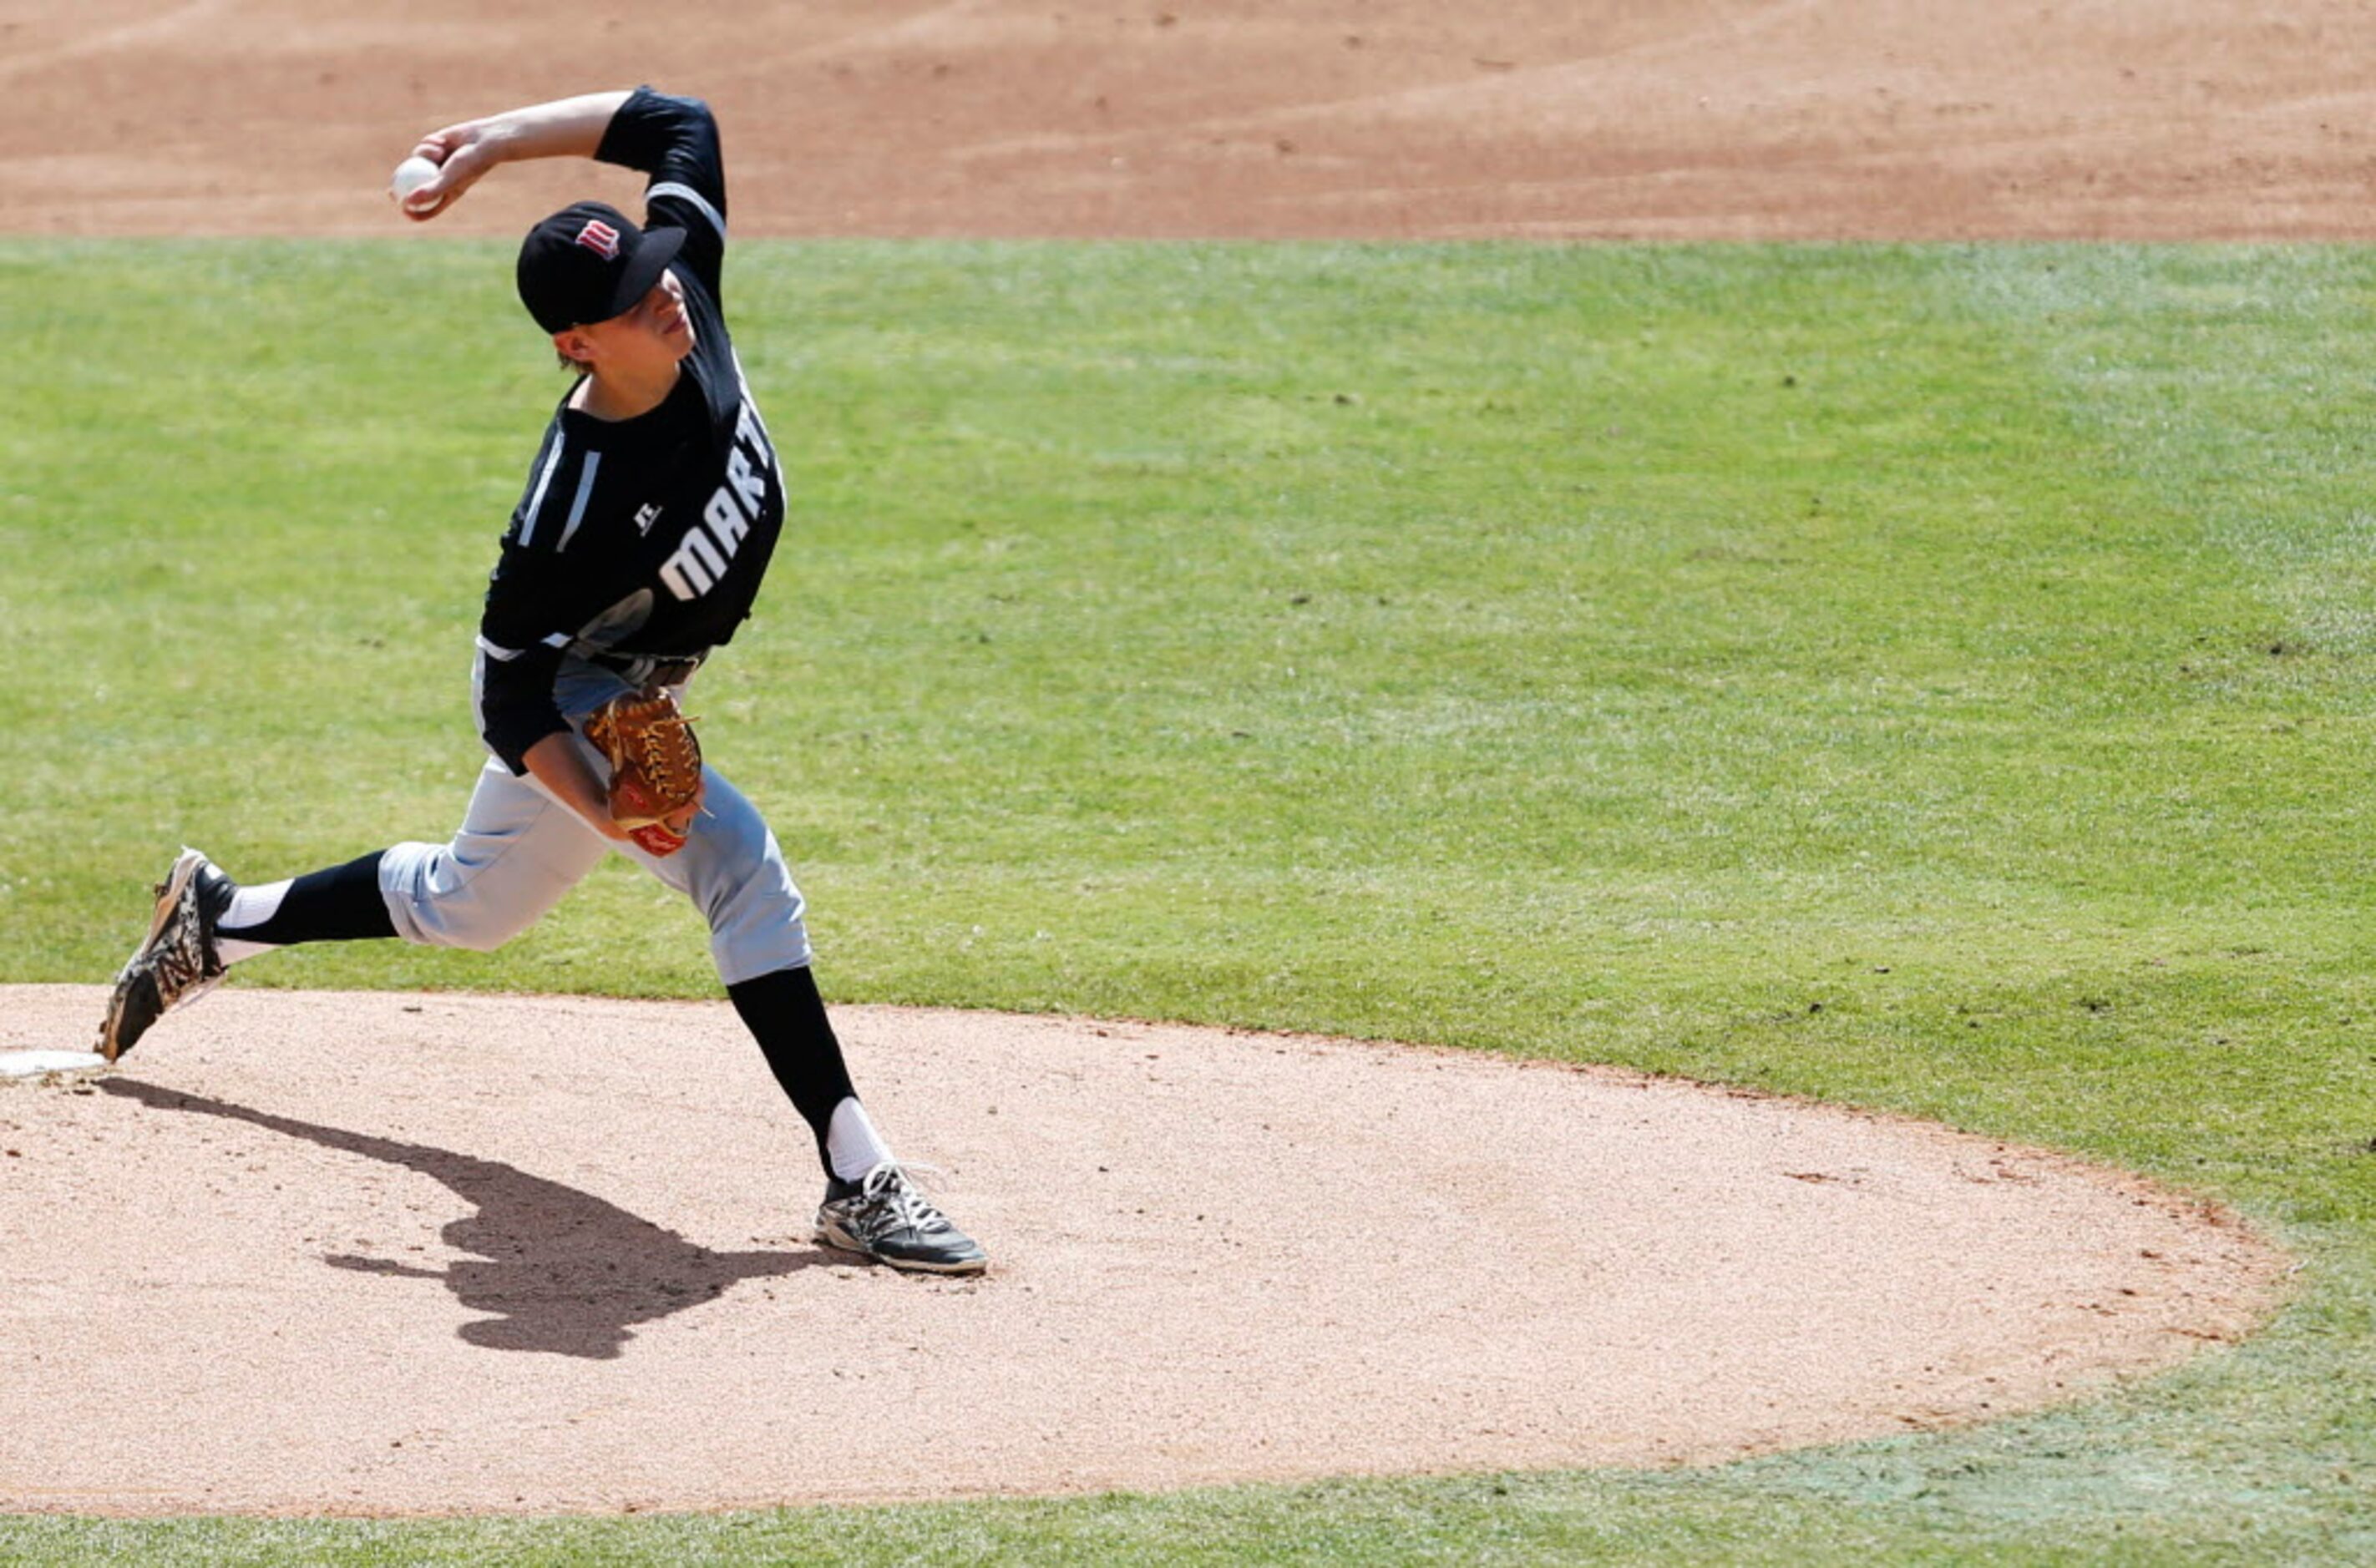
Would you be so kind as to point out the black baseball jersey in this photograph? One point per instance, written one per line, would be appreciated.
(647, 536)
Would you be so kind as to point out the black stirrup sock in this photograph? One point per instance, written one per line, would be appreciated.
(785, 1013)
(342, 904)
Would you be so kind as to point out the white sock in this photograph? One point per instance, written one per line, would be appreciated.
(852, 1142)
(249, 907)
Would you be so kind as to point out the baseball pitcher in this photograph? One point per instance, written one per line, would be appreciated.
(643, 532)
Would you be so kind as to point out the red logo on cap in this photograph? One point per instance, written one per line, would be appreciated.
(599, 238)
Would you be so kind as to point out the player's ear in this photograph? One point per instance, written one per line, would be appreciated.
(575, 347)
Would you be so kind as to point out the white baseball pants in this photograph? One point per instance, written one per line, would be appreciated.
(519, 850)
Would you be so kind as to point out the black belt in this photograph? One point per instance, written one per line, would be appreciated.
(651, 669)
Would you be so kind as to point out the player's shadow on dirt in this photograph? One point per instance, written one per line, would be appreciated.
(564, 1271)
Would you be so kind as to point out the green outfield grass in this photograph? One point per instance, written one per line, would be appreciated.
(1933, 679)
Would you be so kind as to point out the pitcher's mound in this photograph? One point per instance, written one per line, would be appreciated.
(385, 1254)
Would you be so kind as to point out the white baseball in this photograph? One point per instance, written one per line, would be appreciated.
(411, 175)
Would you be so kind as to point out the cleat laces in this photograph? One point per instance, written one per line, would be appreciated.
(889, 1197)
(182, 966)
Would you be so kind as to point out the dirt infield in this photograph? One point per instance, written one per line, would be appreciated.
(1799, 119)
(387, 1253)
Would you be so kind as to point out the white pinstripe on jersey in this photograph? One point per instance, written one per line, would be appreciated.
(687, 193)
(536, 496)
(578, 506)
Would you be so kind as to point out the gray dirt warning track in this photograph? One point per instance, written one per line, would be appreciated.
(382, 1253)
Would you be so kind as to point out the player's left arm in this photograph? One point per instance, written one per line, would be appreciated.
(464, 153)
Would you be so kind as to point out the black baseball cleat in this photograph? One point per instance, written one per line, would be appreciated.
(886, 1217)
(178, 963)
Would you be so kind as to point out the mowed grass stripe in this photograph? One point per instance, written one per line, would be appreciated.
(1927, 678)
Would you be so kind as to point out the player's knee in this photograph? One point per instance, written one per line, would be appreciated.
(763, 898)
(437, 903)
(757, 918)
(759, 937)
(474, 929)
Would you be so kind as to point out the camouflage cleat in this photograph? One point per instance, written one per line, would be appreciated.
(178, 963)
(886, 1217)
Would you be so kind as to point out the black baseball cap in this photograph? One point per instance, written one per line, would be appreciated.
(588, 263)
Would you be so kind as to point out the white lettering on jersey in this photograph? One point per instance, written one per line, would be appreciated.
(747, 425)
(646, 516)
(701, 557)
(727, 526)
(695, 567)
(750, 489)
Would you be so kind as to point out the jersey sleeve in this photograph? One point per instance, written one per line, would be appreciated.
(538, 596)
(675, 141)
(516, 706)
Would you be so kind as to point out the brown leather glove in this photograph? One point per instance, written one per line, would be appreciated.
(655, 766)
